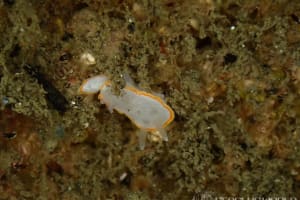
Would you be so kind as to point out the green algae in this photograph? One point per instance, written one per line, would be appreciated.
(212, 146)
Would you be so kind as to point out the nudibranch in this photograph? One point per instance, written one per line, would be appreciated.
(147, 111)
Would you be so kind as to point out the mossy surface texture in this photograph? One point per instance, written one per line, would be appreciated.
(230, 70)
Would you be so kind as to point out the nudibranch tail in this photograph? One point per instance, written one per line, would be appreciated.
(93, 84)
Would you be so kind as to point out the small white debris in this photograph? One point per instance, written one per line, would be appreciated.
(74, 104)
(87, 59)
(155, 136)
(294, 172)
(194, 23)
(86, 124)
(232, 28)
(5, 101)
(239, 120)
(210, 100)
(123, 176)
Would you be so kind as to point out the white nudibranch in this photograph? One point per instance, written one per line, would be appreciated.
(147, 111)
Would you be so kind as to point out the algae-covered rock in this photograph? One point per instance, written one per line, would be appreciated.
(228, 69)
(24, 95)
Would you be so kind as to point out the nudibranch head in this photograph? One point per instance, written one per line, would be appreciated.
(147, 111)
(92, 85)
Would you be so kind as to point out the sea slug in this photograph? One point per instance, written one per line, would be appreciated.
(147, 111)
